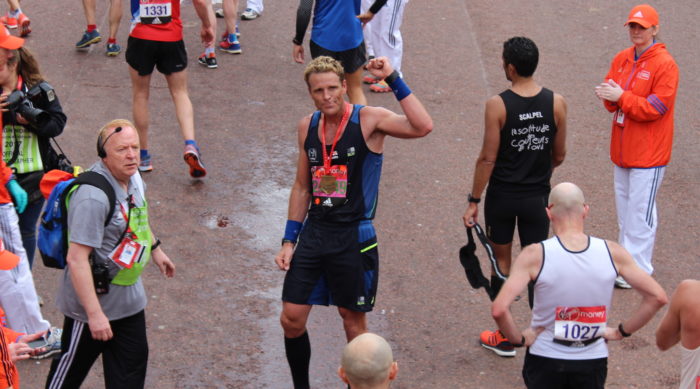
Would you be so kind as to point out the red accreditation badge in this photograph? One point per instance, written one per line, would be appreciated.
(127, 253)
(575, 324)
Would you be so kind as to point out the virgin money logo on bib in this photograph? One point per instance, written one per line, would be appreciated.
(568, 314)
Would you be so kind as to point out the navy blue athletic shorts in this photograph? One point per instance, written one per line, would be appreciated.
(334, 264)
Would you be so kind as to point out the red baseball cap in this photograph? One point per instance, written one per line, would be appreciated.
(8, 260)
(644, 15)
(8, 41)
(50, 179)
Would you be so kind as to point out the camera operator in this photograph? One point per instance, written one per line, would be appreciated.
(31, 115)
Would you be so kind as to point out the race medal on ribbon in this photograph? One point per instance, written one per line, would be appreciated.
(329, 184)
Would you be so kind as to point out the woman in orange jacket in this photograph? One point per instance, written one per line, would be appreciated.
(640, 89)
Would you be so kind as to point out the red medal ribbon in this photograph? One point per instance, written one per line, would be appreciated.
(341, 127)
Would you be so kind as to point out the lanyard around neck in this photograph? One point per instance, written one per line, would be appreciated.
(341, 126)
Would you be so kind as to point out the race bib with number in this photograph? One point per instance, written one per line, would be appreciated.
(155, 11)
(578, 324)
(330, 183)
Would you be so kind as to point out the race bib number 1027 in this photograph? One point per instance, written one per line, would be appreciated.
(575, 324)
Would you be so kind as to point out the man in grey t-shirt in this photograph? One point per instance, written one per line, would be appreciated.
(108, 256)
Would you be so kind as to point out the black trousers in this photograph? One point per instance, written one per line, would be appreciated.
(124, 357)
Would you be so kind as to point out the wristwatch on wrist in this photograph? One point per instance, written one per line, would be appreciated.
(473, 199)
(522, 343)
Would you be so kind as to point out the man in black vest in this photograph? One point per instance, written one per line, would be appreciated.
(524, 140)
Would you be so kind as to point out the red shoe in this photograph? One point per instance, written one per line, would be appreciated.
(370, 79)
(8, 21)
(24, 28)
(194, 160)
(380, 87)
(496, 342)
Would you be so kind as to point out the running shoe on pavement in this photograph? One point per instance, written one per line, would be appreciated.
(209, 61)
(370, 79)
(53, 345)
(620, 283)
(9, 21)
(249, 14)
(194, 160)
(24, 28)
(230, 47)
(88, 39)
(113, 49)
(380, 87)
(145, 164)
(219, 13)
(224, 36)
(496, 342)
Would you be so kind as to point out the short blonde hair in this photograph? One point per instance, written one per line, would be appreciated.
(324, 64)
(113, 124)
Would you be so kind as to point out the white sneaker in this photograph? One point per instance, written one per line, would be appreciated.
(53, 345)
(621, 283)
(249, 14)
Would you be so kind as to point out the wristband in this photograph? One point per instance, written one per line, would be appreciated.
(392, 77)
(623, 332)
(297, 41)
(398, 86)
(155, 245)
(292, 230)
(473, 199)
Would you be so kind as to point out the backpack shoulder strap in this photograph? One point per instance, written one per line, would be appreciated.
(97, 180)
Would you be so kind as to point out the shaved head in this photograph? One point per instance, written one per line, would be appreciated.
(367, 360)
(566, 199)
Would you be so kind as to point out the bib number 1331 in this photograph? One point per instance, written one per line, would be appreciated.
(155, 11)
(579, 323)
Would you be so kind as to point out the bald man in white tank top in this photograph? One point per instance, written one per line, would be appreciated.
(574, 276)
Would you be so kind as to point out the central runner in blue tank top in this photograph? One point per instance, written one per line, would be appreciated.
(329, 249)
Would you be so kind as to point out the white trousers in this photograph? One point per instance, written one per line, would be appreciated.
(382, 33)
(17, 293)
(255, 5)
(635, 199)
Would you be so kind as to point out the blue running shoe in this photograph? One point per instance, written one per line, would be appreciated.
(230, 47)
(113, 49)
(145, 165)
(88, 39)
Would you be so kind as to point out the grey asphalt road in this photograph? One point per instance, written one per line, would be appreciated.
(216, 324)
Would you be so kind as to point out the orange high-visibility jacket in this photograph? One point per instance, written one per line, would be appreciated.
(645, 137)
